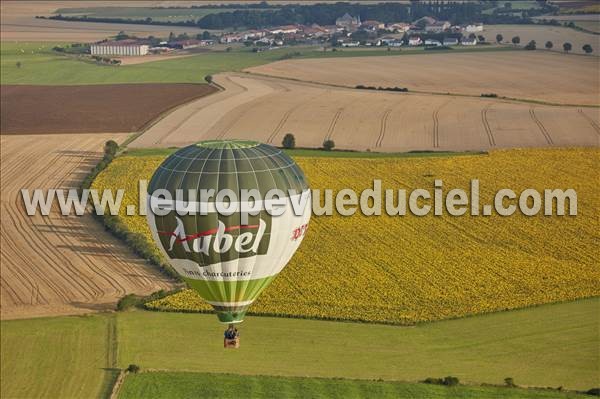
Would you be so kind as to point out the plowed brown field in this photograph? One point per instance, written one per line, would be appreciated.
(56, 264)
(92, 108)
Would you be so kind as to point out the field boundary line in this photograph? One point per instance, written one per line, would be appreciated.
(432, 93)
(541, 126)
(590, 120)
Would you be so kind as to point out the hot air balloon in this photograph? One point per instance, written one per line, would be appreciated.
(230, 257)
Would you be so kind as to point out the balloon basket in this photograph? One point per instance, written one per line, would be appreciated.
(231, 343)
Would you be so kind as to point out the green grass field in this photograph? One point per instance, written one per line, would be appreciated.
(40, 65)
(551, 345)
(57, 358)
(196, 385)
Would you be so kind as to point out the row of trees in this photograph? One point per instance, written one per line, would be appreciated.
(289, 143)
(587, 48)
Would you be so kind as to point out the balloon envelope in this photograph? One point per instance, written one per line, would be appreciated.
(228, 248)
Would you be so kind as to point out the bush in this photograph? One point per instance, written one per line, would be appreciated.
(111, 147)
(491, 95)
(509, 382)
(593, 391)
(434, 381)
(208, 78)
(133, 368)
(450, 381)
(289, 141)
(328, 145)
(447, 381)
(530, 45)
(128, 301)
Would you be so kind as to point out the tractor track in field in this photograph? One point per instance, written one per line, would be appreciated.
(541, 126)
(383, 127)
(590, 120)
(436, 124)
(486, 125)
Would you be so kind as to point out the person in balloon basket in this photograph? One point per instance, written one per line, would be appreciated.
(231, 332)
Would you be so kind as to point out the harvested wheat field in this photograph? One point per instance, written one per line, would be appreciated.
(265, 109)
(542, 76)
(541, 34)
(91, 108)
(56, 264)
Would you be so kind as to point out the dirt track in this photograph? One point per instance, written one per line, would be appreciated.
(543, 76)
(266, 109)
(60, 265)
(92, 108)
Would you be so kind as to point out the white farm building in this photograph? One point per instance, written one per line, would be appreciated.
(120, 47)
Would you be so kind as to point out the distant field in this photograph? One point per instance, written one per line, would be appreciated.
(157, 14)
(90, 109)
(556, 78)
(195, 385)
(541, 34)
(413, 269)
(39, 65)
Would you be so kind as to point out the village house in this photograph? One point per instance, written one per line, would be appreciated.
(437, 27)
(474, 28)
(432, 42)
(284, 29)
(372, 26)
(450, 41)
(231, 38)
(465, 41)
(415, 41)
(348, 22)
(398, 27)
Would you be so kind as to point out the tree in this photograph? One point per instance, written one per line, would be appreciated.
(567, 47)
(289, 141)
(171, 37)
(328, 145)
(133, 368)
(516, 40)
(110, 148)
(121, 36)
(509, 382)
(472, 36)
(587, 48)
(499, 38)
(206, 35)
(481, 38)
(19, 64)
(549, 45)
(530, 45)
(208, 78)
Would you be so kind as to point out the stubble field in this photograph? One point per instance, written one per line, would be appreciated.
(541, 76)
(60, 264)
(265, 109)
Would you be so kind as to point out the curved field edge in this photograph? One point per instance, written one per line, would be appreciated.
(428, 268)
(163, 384)
(547, 346)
